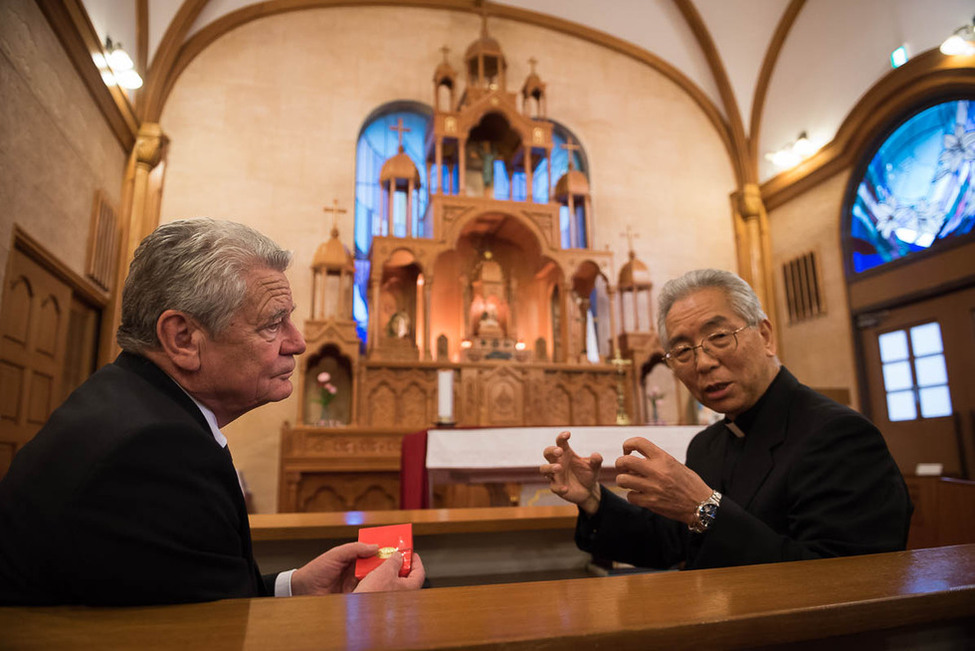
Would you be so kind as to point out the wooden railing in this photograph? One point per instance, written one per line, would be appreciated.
(897, 600)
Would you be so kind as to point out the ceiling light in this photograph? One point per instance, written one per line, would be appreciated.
(962, 42)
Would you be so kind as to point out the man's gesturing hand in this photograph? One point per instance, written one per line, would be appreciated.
(571, 477)
(659, 482)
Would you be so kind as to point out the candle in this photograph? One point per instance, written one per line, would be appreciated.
(445, 396)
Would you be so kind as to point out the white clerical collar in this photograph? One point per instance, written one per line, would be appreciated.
(734, 429)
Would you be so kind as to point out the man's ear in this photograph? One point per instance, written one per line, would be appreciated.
(180, 336)
(768, 336)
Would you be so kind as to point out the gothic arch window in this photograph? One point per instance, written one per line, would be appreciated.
(378, 141)
(915, 191)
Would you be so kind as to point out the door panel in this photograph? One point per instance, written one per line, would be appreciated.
(33, 333)
(946, 439)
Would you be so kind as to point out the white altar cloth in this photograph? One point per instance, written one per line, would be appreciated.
(521, 447)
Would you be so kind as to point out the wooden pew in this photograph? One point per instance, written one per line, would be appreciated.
(458, 546)
(943, 512)
(912, 599)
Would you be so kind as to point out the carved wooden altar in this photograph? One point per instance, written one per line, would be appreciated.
(502, 290)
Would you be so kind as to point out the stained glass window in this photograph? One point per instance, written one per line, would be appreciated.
(377, 143)
(917, 189)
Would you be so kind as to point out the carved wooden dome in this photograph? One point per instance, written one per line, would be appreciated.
(400, 168)
(573, 183)
(332, 255)
(634, 275)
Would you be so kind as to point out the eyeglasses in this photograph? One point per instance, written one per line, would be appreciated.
(715, 344)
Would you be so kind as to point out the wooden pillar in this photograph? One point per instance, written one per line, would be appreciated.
(573, 225)
(569, 348)
(409, 208)
(462, 166)
(427, 291)
(587, 222)
(438, 163)
(373, 313)
(612, 315)
(636, 307)
(754, 258)
(139, 218)
(528, 172)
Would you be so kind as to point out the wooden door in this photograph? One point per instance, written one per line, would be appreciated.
(34, 317)
(920, 372)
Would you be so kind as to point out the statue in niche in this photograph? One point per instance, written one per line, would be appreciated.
(480, 158)
(399, 325)
(489, 308)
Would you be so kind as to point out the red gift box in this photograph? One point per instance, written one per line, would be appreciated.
(392, 538)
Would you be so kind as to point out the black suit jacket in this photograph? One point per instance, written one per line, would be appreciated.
(814, 479)
(122, 498)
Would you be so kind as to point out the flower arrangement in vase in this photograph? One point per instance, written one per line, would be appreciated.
(326, 394)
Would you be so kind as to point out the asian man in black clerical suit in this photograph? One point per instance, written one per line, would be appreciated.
(787, 475)
(128, 494)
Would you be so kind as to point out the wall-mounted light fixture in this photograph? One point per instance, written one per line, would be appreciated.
(793, 153)
(961, 42)
(116, 66)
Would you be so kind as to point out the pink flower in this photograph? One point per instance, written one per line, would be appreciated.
(331, 389)
(323, 378)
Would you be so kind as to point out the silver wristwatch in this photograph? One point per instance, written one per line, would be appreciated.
(706, 511)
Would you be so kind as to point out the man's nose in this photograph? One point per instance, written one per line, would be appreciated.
(294, 341)
(704, 359)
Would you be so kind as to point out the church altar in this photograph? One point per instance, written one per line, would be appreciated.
(465, 302)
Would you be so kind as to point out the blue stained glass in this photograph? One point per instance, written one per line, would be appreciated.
(377, 143)
(918, 188)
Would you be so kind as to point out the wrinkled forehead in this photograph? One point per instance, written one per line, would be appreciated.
(698, 312)
(268, 291)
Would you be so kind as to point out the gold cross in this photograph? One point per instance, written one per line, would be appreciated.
(570, 146)
(335, 210)
(629, 235)
(532, 61)
(445, 50)
(399, 128)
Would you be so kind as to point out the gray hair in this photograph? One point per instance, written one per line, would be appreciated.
(744, 302)
(195, 266)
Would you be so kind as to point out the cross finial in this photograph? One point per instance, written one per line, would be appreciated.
(445, 51)
(399, 128)
(570, 146)
(630, 235)
(335, 210)
(532, 61)
(482, 5)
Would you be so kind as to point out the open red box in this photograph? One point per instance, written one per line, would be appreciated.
(392, 538)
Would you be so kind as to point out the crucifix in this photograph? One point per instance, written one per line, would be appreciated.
(630, 235)
(532, 61)
(400, 129)
(445, 50)
(570, 147)
(336, 211)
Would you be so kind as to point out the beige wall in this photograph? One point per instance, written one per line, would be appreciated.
(56, 149)
(819, 351)
(264, 123)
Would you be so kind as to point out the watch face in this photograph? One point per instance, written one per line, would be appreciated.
(707, 512)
